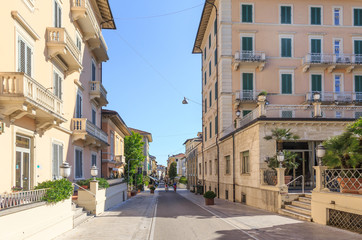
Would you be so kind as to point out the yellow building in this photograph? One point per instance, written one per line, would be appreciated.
(51, 92)
(306, 55)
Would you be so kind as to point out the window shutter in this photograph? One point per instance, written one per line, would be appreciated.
(215, 56)
(215, 27)
(59, 17)
(205, 78)
(316, 83)
(60, 89)
(55, 84)
(28, 60)
(358, 84)
(289, 14)
(55, 161)
(55, 14)
(93, 72)
(60, 157)
(210, 68)
(250, 13)
(21, 56)
(210, 98)
(216, 125)
(210, 127)
(357, 47)
(243, 13)
(247, 81)
(216, 90)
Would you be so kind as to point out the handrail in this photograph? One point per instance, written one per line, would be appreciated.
(84, 189)
(295, 180)
(331, 180)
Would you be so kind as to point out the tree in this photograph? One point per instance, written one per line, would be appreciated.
(172, 172)
(133, 152)
(280, 135)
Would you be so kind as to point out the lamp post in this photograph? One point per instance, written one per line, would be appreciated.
(280, 158)
(320, 152)
(65, 170)
(94, 172)
(238, 113)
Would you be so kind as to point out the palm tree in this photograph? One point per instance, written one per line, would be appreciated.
(280, 135)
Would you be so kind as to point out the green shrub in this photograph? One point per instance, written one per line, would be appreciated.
(58, 190)
(183, 180)
(152, 188)
(102, 183)
(210, 195)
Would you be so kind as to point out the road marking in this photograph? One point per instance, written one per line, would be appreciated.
(153, 221)
(219, 217)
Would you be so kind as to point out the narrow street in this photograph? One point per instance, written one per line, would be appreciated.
(183, 215)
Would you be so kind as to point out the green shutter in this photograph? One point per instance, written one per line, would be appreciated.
(205, 134)
(316, 83)
(316, 16)
(357, 47)
(215, 27)
(247, 81)
(286, 83)
(357, 17)
(210, 98)
(205, 105)
(205, 77)
(316, 45)
(215, 56)
(358, 83)
(210, 125)
(210, 68)
(286, 47)
(216, 90)
(216, 125)
(247, 44)
(247, 13)
(286, 15)
(246, 112)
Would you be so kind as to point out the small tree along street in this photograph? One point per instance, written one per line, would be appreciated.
(172, 173)
(133, 152)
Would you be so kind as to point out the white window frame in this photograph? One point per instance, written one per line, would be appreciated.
(76, 105)
(353, 8)
(310, 14)
(21, 35)
(241, 12)
(310, 42)
(75, 165)
(253, 71)
(340, 15)
(280, 14)
(252, 35)
(57, 142)
(280, 44)
(61, 9)
(94, 154)
(286, 71)
(310, 79)
(341, 82)
(341, 50)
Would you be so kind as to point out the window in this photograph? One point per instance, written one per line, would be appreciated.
(93, 71)
(57, 159)
(210, 68)
(210, 128)
(215, 55)
(358, 115)
(337, 49)
(227, 164)
(25, 57)
(78, 163)
(210, 98)
(244, 162)
(57, 84)
(205, 105)
(358, 88)
(79, 106)
(287, 114)
(357, 16)
(94, 116)
(216, 91)
(205, 134)
(205, 168)
(205, 53)
(286, 47)
(358, 51)
(215, 27)
(248, 89)
(94, 159)
(226, 194)
(210, 167)
(287, 83)
(209, 40)
(337, 16)
(315, 15)
(78, 42)
(199, 168)
(316, 83)
(57, 15)
(246, 13)
(246, 112)
(285, 14)
(337, 83)
(112, 145)
(246, 44)
(216, 167)
(338, 114)
(205, 78)
(216, 125)
(316, 50)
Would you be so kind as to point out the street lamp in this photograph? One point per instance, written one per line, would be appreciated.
(238, 113)
(316, 96)
(280, 158)
(321, 152)
(94, 172)
(185, 101)
(64, 170)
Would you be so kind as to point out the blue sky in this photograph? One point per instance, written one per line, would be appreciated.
(151, 69)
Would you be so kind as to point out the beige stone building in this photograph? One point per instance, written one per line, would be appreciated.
(192, 148)
(113, 159)
(307, 56)
(51, 90)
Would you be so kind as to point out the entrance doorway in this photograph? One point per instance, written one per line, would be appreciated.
(22, 165)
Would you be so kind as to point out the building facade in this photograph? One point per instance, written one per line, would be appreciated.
(146, 138)
(177, 158)
(303, 58)
(113, 159)
(51, 90)
(192, 148)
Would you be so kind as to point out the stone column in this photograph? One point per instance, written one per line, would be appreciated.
(261, 104)
(317, 109)
(281, 181)
(319, 179)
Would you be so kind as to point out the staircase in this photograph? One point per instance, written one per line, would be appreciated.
(80, 216)
(299, 209)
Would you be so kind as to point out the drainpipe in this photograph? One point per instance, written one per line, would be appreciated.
(217, 103)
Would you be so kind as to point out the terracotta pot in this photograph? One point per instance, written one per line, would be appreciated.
(350, 185)
(152, 191)
(85, 186)
(209, 201)
(133, 193)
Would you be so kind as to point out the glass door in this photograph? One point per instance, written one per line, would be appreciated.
(22, 163)
(316, 50)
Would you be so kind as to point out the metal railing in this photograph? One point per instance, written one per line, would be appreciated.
(295, 179)
(250, 56)
(246, 95)
(16, 83)
(270, 177)
(249, 117)
(17, 199)
(83, 125)
(336, 96)
(343, 180)
(345, 220)
(74, 184)
(342, 59)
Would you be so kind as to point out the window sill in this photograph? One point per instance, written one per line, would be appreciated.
(245, 174)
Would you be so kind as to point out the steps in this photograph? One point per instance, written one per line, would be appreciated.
(80, 216)
(299, 209)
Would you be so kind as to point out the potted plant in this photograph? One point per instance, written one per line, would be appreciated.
(262, 96)
(16, 189)
(152, 189)
(289, 163)
(83, 183)
(209, 197)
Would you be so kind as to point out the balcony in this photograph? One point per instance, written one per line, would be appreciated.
(331, 62)
(120, 160)
(249, 59)
(82, 13)
(20, 96)
(61, 48)
(91, 135)
(98, 93)
(336, 97)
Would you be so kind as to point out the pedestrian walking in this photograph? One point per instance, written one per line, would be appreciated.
(174, 187)
(166, 187)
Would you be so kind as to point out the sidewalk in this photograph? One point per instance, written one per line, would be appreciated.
(129, 220)
(266, 225)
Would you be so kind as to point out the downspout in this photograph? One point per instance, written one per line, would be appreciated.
(233, 167)
(217, 103)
